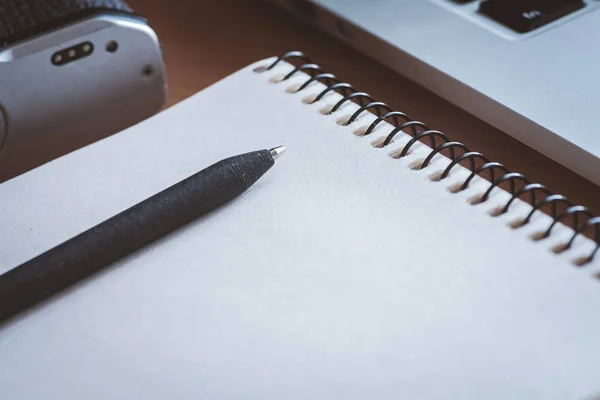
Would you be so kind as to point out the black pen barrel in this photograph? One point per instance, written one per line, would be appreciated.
(119, 236)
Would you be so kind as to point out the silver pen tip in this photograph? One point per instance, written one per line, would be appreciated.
(276, 152)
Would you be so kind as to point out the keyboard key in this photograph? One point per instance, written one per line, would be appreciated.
(527, 15)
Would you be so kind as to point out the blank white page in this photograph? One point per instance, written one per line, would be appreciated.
(342, 274)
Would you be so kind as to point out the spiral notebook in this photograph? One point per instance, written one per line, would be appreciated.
(347, 272)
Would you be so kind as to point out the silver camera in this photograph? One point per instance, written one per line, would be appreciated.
(71, 75)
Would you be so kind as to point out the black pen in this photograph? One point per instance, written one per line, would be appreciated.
(145, 222)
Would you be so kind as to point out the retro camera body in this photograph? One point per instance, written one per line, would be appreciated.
(71, 75)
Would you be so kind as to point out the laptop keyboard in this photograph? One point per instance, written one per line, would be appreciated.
(526, 15)
(521, 16)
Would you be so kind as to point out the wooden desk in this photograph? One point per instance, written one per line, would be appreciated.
(206, 40)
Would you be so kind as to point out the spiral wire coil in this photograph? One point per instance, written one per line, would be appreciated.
(579, 218)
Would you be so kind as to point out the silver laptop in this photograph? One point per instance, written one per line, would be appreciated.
(529, 67)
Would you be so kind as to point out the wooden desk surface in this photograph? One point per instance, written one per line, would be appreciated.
(206, 40)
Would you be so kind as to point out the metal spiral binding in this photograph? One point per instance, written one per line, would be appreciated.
(580, 218)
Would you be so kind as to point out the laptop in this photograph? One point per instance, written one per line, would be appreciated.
(531, 68)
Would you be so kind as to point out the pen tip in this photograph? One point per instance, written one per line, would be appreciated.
(276, 152)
